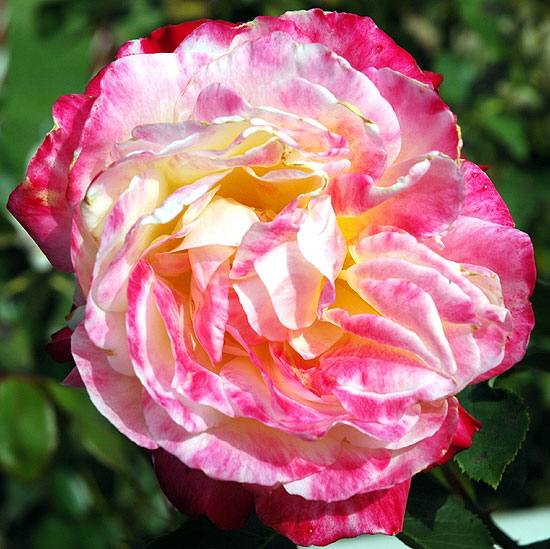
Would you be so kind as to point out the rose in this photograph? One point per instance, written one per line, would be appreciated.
(285, 271)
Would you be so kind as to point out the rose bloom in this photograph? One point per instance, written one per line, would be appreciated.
(285, 270)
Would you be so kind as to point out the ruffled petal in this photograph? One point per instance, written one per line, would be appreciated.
(321, 523)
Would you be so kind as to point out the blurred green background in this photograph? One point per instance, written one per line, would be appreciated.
(67, 478)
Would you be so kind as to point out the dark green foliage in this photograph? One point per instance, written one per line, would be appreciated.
(505, 422)
(202, 534)
(435, 519)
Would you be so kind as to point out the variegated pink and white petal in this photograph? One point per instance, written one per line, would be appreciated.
(241, 450)
(117, 396)
(363, 468)
(40, 202)
(417, 106)
(321, 523)
(344, 34)
(510, 256)
(124, 102)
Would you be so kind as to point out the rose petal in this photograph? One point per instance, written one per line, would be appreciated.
(227, 504)
(40, 202)
(116, 396)
(482, 199)
(320, 523)
(510, 255)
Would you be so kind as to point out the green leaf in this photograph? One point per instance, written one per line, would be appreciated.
(435, 519)
(69, 494)
(459, 77)
(508, 131)
(58, 532)
(28, 429)
(505, 423)
(201, 533)
(97, 435)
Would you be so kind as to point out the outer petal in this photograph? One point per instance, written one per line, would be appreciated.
(74, 379)
(509, 253)
(40, 202)
(227, 504)
(116, 396)
(482, 199)
(345, 34)
(462, 439)
(59, 348)
(167, 39)
(320, 523)
(242, 450)
(361, 469)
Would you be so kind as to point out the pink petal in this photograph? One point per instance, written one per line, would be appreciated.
(482, 199)
(125, 238)
(262, 390)
(376, 383)
(245, 387)
(368, 140)
(214, 37)
(509, 253)
(40, 203)
(238, 325)
(356, 39)
(83, 253)
(242, 450)
(275, 241)
(453, 304)
(168, 38)
(116, 396)
(296, 241)
(260, 313)
(227, 504)
(362, 467)
(211, 310)
(364, 464)
(321, 242)
(411, 307)
(384, 331)
(433, 191)
(74, 380)
(463, 437)
(320, 523)
(292, 282)
(107, 330)
(192, 394)
(418, 107)
(216, 101)
(136, 90)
